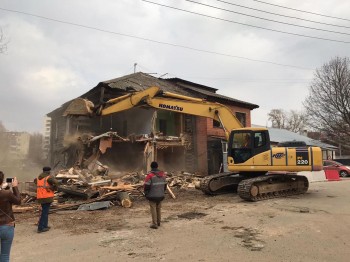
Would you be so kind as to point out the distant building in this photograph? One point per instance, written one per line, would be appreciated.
(18, 144)
(278, 135)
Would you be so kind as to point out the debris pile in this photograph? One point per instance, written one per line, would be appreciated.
(81, 189)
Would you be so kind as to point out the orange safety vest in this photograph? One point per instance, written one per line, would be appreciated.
(43, 189)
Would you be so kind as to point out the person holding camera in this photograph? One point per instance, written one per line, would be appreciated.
(46, 185)
(7, 219)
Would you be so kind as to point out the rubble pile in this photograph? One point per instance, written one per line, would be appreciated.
(81, 189)
(182, 180)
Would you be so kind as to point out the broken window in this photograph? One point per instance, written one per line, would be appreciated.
(163, 126)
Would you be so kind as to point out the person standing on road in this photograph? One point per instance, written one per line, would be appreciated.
(7, 219)
(46, 185)
(154, 187)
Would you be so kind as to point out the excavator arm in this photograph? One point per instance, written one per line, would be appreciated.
(153, 97)
(203, 108)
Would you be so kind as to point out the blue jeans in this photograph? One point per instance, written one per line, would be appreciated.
(44, 218)
(6, 235)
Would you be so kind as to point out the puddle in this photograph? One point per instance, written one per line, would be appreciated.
(191, 215)
(187, 215)
(249, 237)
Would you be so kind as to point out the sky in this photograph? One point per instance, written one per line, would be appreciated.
(262, 52)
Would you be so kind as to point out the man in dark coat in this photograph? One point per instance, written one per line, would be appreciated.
(154, 187)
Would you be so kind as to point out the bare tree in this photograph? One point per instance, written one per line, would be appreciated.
(293, 121)
(328, 102)
(296, 121)
(278, 118)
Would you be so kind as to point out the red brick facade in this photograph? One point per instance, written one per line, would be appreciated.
(205, 129)
(201, 141)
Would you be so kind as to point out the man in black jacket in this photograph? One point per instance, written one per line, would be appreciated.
(154, 187)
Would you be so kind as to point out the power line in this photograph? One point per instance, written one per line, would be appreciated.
(272, 13)
(303, 11)
(154, 41)
(267, 19)
(254, 26)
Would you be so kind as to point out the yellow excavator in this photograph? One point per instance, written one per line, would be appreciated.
(258, 170)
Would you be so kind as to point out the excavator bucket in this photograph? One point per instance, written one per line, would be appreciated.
(79, 107)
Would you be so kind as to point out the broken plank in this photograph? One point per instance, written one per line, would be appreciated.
(170, 192)
(67, 176)
(120, 187)
(100, 183)
(20, 209)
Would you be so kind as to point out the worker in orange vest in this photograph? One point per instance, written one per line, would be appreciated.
(46, 185)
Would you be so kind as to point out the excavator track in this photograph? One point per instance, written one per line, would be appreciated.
(272, 186)
(220, 183)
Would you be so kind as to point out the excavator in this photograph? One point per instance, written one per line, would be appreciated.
(258, 170)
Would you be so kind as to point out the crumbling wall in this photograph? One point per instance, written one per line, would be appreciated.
(124, 157)
(132, 121)
(172, 159)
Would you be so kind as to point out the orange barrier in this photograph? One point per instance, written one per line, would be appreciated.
(332, 175)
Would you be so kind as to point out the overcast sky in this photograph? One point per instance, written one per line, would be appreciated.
(59, 49)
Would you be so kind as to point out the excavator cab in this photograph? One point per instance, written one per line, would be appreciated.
(247, 143)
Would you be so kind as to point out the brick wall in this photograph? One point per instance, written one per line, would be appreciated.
(201, 142)
(205, 129)
(235, 109)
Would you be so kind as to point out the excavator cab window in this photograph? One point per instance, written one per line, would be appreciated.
(241, 146)
(245, 144)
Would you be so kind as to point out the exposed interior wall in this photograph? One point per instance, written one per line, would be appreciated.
(132, 121)
(124, 157)
(127, 156)
(166, 123)
(171, 158)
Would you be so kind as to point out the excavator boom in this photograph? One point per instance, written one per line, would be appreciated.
(166, 101)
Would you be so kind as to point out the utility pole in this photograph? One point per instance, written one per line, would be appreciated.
(135, 64)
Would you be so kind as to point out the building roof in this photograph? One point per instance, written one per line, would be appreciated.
(281, 135)
(140, 81)
(208, 92)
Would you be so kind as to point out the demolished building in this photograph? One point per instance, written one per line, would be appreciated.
(131, 139)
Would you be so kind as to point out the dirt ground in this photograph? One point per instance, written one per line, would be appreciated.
(310, 227)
